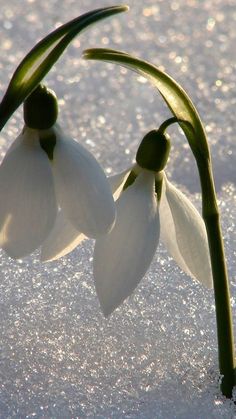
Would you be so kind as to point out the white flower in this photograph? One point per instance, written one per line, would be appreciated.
(123, 256)
(33, 188)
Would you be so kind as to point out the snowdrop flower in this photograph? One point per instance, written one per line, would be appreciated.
(45, 170)
(149, 209)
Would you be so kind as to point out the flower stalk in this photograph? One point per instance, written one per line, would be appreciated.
(211, 217)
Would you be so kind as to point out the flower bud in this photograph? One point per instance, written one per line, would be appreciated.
(153, 151)
(40, 108)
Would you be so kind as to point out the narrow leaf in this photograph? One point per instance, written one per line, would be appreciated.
(174, 95)
(43, 56)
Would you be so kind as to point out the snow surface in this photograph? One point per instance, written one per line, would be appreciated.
(156, 356)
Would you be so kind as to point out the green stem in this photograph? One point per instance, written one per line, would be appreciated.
(167, 123)
(211, 216)
(220, 278)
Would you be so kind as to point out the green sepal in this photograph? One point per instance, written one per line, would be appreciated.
(47, 143)
(158, 185)
(41, 108)
(153, 151)
(174, 95)
(130, 180)
(43, 56)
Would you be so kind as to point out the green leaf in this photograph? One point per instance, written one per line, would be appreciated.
(43, 56)
(174, 95)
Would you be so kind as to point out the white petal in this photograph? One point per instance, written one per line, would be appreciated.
(28, 205)
(62, 239)
(184, 234)
(117, 182)
(19, 140)
(122, 257)
(82, 188)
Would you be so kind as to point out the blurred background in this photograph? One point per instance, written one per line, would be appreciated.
(156, 357)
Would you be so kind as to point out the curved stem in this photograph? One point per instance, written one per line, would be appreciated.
(167, 123)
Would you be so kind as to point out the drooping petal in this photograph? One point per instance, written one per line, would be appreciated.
(184, 234)
(28, 205)
(122, 257)
(62, 239)
(82, 188)
(168, 233)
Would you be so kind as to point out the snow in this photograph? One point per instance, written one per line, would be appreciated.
(156, 356)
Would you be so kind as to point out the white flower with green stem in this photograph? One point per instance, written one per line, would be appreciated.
(186, 115)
